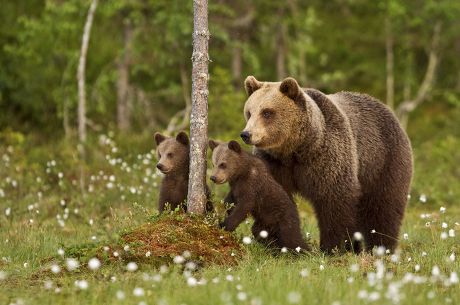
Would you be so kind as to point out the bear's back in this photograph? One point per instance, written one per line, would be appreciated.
(377, 132)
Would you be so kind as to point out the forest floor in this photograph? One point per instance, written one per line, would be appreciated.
(51, 231)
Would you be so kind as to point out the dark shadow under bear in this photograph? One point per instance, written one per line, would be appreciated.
(254, 191)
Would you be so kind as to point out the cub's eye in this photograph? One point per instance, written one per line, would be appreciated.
(248, 115)
(222, 166)
(267, 113)
(169, 155)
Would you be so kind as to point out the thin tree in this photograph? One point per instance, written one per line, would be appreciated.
(199, 114)
(81, 73)
(82, 89)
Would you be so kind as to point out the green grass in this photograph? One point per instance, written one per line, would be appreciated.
(123, 197)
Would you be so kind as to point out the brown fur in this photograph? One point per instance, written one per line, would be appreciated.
(254, 191)
(173, 162)
(345, 152)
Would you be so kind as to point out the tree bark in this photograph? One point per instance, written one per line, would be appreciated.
(199, 115)
(390, 62)
(406, 107)
(281, 50)
(237, 66)
(81, 73)
(124, 106)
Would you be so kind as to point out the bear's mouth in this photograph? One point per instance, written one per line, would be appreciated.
(220, 181)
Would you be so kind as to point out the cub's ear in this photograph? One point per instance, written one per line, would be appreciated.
(251, 84)
(182, 138)
(159, 138)
(291, 89)
(235, 146)
(212, 144)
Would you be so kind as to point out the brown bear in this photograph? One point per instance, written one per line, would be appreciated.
(254, 191)
(173, 162)
(345, 152)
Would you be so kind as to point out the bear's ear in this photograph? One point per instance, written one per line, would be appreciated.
(159, 138)
(251, 84)
(235, 146)
(291, 89)
(212, 144)
(182, 138)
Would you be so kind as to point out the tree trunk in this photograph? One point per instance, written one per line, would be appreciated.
(281, 51)
(390, 62)
(81, 73)
(199, 115)
(406, 107)
(82, 90)
(123, 100)
(237, 63)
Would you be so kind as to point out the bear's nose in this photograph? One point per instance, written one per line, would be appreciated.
(246, 136)
(160, 166)
(213, 178)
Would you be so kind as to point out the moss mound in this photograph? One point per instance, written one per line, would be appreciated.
(167, 236)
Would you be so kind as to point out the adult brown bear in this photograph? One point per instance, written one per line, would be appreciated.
(345, 152)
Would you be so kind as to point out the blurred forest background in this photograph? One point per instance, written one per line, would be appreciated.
(406, 53)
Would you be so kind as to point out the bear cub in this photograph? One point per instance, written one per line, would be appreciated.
(173, 162)
(254, 191)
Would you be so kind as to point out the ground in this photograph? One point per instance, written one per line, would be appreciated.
(44, 211)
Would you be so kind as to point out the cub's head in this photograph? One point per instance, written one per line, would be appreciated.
(226, 160)
(272, 112)
(173, 153)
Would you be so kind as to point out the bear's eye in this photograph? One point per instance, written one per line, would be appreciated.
(169, 155)
(223, 166)
(267, 113)
(248, 115)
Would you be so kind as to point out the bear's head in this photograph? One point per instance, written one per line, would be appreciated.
(273, 112)
(226, 160)
(173, 153)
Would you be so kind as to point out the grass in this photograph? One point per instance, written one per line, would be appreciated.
(43, 210)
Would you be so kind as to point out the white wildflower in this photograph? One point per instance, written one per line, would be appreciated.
(294, 297)
(94, 263)
(138, 292)
(131, 266)
(263, 234)
(247, 240)
(72, 264)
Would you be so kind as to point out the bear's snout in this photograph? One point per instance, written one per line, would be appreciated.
(246, 137)
(161, 167)
(213, 179)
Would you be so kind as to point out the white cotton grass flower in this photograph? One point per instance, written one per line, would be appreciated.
(120, 295)
(304, 272)
(178, 259)
(3, 275)
(83, 284)
(444, 235)
(321, 267)
(453, 278)
(444, 225)
(422, 198)
(148, 254)
(241, 296)
(94, 263)
(284, 250)
(354, 268)
(294, 297)
(60, 252)
(406, 236)
(451, 233)
(191, 281)
(435, 271)
(452, 257)
(7, 211)
(131, 266)
(358, 236)
(138, 292)
(55, 268)
(72, 264)
(247, 240)
(442, 210)
(263, 234)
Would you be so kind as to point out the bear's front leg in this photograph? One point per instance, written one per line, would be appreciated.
(238, 215)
